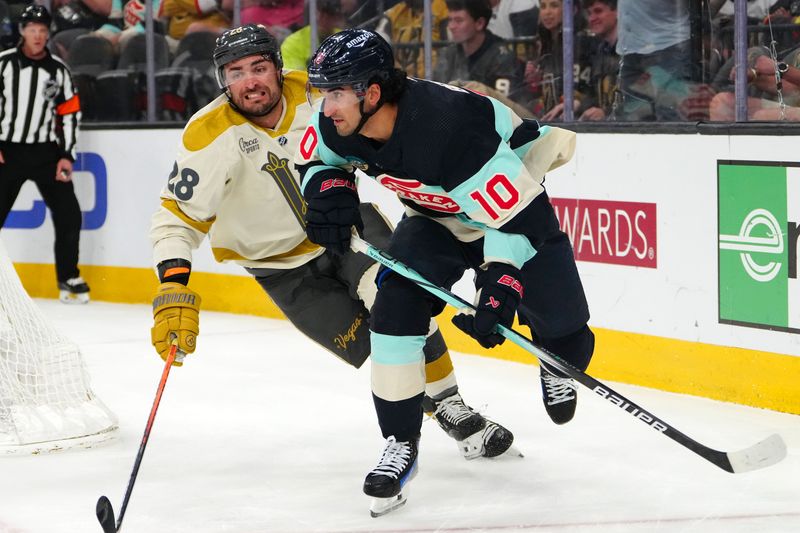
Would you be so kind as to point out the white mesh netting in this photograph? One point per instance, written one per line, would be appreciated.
(46, 403)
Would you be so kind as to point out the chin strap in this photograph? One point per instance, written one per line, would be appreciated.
(365, 116)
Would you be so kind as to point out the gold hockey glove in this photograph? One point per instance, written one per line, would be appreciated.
(176, 310)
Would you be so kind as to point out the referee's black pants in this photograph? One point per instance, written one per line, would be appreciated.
(38, 162)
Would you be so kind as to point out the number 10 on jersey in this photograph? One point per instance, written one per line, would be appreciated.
(498, 192)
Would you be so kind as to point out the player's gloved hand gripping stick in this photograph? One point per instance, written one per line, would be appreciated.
(760, 455)
(176, 319)
(499, 295)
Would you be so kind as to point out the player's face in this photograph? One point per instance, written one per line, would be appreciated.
(461, 25)
(342, 106)
(550, 14)
(35, 37)
(253, 84)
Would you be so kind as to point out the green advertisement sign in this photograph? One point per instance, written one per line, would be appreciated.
(757, 264)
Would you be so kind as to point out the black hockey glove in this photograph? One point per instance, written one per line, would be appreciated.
(332, 212)
(499, 293)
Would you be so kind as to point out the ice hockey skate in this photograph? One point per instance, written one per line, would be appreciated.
(476, 435)
(73, 291)
(559, 394)
(386, 483)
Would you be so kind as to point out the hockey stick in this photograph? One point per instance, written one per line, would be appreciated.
(760, 455)
(104, 510)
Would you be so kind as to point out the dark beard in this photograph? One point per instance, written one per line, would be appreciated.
(262, 113)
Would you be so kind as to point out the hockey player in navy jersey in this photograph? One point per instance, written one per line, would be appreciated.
(470, 174)
(233, 181)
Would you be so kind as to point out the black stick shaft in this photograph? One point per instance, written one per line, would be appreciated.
(146, 436)
(762, 454)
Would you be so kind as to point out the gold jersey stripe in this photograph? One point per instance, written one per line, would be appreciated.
(172, 207)
(203, 131)
(305, 247)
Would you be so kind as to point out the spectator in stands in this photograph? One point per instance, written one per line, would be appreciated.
(296, 48)
(602, 19)
(544, 76)
(125, 21)
(476, 53)
(756, 9)
(72, 14)
(72, 18)
(365, 13)
(758, 12)
(401, 26)
(514, 18)
(656, 68)
(186, 16)
(763, 102)
(281, 17)
(721, 11)
(784, 12)
(41, 113)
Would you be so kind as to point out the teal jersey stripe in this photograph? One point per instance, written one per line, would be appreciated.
(502, 120)
(396, 350)
(511, 248)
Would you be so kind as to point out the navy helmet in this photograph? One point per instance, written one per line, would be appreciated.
(247, 40)
(351, 57)
(35, 13)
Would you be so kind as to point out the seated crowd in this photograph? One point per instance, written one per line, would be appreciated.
(633, 60)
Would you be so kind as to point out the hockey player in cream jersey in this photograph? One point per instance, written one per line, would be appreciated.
(233, 181)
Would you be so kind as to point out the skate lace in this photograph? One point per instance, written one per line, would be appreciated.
(394, 458)
(491, 429)
(74, 282)
(453, 409)
(559, 390)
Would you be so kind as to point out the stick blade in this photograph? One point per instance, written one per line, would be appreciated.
(105, 515)
(766, 453)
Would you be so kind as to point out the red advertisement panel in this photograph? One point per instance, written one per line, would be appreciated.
(605, 231)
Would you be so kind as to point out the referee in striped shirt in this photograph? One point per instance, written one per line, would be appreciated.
(39, 114)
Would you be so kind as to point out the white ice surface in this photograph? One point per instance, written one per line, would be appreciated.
(262, 431)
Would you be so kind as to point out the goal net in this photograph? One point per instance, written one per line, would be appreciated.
(46, 403)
